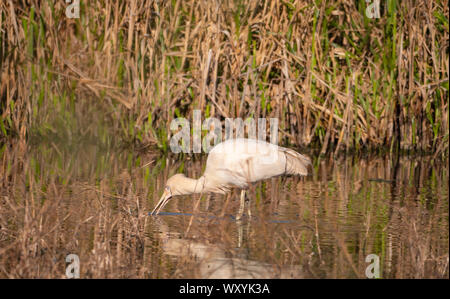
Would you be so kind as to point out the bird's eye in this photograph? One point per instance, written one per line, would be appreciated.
(167, 188)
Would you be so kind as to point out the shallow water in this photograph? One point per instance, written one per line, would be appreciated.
(95, 203)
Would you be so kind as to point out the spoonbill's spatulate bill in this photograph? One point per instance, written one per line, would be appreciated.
(235, 163)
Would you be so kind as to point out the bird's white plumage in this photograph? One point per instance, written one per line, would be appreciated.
(237, 163)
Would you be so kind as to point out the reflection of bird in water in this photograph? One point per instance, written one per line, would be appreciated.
(215, 261)
(237, 163)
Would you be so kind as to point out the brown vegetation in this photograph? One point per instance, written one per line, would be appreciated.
(72, 90)
(334, 78)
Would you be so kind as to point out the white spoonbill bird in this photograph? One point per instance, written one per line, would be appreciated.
(235, 163)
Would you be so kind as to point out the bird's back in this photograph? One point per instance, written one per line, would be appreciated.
(238, 162)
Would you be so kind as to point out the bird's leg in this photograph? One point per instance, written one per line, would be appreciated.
(249, 179)
(240, 232)
(241, 208)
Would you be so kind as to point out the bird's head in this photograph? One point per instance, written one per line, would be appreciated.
(171, 189)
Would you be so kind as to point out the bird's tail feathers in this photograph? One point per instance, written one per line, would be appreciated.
(296, 164)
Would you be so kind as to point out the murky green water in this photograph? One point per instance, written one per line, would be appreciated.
(95, 203)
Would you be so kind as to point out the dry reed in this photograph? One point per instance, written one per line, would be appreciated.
(71, 90)
(335, 79)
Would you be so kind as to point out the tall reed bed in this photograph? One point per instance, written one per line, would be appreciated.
(335, 78)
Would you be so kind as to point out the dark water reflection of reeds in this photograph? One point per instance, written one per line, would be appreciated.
(56, 200)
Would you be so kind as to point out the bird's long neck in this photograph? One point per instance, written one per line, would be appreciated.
(191, 186)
